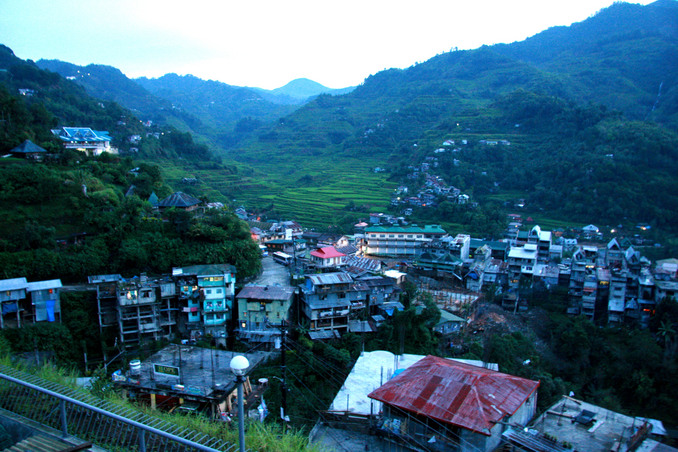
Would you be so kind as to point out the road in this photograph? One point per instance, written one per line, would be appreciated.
(273, 274)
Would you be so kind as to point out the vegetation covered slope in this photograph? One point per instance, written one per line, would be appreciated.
(73, 216)
(564, 105)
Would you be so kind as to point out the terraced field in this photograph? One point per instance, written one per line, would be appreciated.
(315, 194)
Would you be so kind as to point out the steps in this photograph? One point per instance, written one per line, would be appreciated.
(44, 443)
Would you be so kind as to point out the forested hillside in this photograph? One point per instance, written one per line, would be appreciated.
(589, 111)
(591, 140)
(72, 216)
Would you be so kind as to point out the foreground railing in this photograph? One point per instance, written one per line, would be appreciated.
(103, 423)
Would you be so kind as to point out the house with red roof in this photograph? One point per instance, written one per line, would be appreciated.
(327, 257)
(440, 404)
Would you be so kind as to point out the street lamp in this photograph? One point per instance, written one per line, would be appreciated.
(239, 365)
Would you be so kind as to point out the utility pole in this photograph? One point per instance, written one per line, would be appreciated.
(283, 367)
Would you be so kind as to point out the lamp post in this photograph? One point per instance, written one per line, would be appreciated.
(239, 365)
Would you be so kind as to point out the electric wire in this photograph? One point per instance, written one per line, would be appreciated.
(325, 366)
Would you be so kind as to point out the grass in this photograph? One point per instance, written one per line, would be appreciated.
(314, 192)
(266, 437)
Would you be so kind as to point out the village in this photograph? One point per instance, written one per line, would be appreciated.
(332, 285)
(336, 284)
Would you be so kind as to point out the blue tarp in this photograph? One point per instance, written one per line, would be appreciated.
(49, 305)
(9, 307)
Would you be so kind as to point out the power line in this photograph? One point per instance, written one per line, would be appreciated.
(324, 368)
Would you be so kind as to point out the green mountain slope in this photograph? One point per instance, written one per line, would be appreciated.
(551, 93)
(299, 91)
(228, 112)
(624, 58)
(71, 216)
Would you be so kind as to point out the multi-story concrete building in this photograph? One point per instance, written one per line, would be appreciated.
(543, 241)
(207, 294)
(138, 309)
(616, 305)
(398, 241)
(326, 301)
(261, 312)
(521, 261)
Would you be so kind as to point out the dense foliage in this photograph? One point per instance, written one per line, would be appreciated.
(57, 228)
(73, 216)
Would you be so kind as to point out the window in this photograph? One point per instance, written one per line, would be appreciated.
(220, 290)
(208, 291)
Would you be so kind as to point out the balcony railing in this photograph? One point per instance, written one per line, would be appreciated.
(107, 425)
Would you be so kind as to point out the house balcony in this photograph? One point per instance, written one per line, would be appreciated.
(223, 283)
(216, 309)
(577, 277)
(149, 327)
(588, 305)
(333, 313)
(215, 321)
(573, 310)
(331, 324)
(126, 300)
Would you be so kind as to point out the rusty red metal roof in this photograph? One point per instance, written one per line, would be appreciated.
(459, 394)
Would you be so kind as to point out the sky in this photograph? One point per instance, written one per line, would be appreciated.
(268, 43)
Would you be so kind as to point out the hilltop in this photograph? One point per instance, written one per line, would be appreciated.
(590, 141)
(589, 111)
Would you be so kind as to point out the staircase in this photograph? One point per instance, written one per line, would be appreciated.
(45, 443)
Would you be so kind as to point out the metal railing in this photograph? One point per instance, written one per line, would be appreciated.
(103, 423)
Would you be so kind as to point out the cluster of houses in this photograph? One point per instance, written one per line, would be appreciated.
(429, 403)
(24, 303)
(610, 284)
(434, 188)
(201, 302)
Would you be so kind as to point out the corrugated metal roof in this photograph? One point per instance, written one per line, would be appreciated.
(360, 326)
(27, 147)
(179, 199)
(266, 292)
(330, 278)
(13, 284)
(96, 279)
(455, 393)
(327, 252)
(44, 285)
(204, 270)
(366, 263)
(326, 334)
